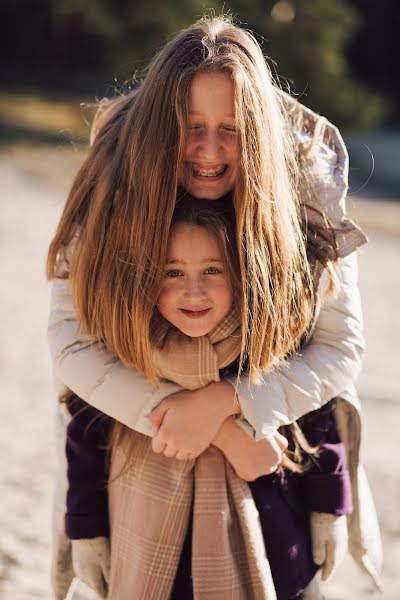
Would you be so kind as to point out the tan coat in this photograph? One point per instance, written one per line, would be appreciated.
(326, 368)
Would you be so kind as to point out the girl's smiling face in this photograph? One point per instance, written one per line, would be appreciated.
(196, 293)
(212, 149)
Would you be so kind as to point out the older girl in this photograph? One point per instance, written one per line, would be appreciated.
(208, 120)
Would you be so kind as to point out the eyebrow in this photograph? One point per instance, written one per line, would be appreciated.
(175, 261)
(194, 112)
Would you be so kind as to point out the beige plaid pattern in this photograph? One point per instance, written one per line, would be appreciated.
(150, 506)
(195, 362)
(151, 500)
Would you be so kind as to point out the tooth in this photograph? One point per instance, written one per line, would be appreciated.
(209, 172)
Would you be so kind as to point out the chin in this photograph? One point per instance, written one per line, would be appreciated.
(208, 194)
(195, 332)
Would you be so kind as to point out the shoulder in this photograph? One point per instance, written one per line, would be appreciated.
(323, 157)
(323, 177)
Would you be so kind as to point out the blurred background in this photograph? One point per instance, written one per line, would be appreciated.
(57, 58)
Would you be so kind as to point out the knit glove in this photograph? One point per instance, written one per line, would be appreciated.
(91, 562)
(329, 540)
(62, 572)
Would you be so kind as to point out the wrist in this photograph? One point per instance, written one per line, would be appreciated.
(226, 395)
(224, 434)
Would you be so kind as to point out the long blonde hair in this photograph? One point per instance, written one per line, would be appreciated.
(123, 197)
(216, 219)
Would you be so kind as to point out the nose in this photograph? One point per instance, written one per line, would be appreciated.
(194, 289)
(209, 146)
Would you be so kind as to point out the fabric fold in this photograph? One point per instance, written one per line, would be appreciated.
(151, 497)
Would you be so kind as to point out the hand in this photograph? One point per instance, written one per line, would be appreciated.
(91, 562)
(188, 421)
(250, 459)
(329, 538)
(63, 573)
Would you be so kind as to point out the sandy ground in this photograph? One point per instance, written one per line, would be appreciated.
(33, 188)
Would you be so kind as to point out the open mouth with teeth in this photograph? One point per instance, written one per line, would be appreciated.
(210, 174)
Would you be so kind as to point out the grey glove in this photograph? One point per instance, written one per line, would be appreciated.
(91, 562)
(329, 540)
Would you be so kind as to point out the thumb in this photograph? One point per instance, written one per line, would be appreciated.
(328, 566)
(157, 415)
(318, 539)
(319, 551)
(105, 566)
(281, 441)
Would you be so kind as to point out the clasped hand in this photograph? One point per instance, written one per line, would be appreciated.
(187, 422)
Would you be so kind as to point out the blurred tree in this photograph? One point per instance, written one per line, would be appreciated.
(308, 39)
(374, 50)
(71, 43)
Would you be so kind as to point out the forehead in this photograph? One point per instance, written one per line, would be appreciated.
(193, 240)
(212, 92)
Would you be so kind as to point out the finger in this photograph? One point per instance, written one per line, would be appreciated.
(170, 451)
(184, 455)
(157, 444)
(331, 561)
(101, 587)
(319, 552)
(157, 415)
(327, 568)
(281, 441)
(106, 569)
(273, 469)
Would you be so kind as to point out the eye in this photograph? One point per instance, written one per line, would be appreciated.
(173, 273)
(229, 129)
(213, 271)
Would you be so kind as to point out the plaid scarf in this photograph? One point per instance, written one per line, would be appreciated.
(150, 503)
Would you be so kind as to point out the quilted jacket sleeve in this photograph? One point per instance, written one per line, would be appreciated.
(329, 363)
(93, 373)
(326, 366)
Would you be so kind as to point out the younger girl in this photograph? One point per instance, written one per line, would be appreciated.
(195, 336)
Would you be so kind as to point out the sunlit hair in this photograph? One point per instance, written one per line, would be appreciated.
(122, 201)
(217, 220)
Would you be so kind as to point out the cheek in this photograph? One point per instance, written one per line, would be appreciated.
(166, 301)
(228, 298)
(182, 170)
(189, 146)
(224, 297)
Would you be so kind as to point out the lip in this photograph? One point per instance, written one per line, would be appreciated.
(204, 178)
(195, 314)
